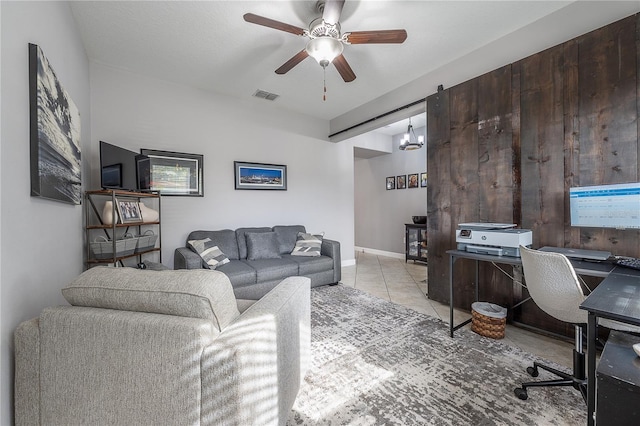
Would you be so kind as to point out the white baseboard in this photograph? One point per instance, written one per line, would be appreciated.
(380, 252)
(350, 262)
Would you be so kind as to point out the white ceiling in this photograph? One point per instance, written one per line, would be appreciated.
(399, 127)
(208, 45)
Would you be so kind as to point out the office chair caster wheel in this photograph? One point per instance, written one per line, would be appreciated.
(533, 371)
(521, 393)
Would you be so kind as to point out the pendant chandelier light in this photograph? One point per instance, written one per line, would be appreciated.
(410, 141)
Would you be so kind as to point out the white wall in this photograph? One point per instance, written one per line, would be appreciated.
(41, 240)
(380, 214)
(134, 111)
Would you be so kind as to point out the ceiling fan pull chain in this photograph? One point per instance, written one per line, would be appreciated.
(324, 82)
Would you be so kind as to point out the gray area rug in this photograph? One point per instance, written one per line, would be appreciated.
(378, 363)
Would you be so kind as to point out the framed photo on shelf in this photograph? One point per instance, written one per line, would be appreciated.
(423, 179)
(260, 176)
(401, 182)
(129, 211)
(391, 182)
(413, 180)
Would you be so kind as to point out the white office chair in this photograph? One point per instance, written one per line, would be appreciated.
(554, 287)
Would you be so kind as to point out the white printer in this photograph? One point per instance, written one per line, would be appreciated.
(499, 239)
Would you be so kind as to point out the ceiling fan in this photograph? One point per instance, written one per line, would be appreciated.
(326, 42)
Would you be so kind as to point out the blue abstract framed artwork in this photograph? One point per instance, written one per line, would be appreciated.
(260, 176)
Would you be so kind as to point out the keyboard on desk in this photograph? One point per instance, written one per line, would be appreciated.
(628, 262)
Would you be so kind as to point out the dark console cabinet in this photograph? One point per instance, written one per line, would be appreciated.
(416, 242)
(618, 382)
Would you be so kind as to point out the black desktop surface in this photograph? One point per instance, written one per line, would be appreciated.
(617, 297)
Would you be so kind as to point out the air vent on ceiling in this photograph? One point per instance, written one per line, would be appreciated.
(266, 95)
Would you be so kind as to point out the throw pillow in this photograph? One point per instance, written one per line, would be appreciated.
(262, 245)
(211, 255)
(308, 244)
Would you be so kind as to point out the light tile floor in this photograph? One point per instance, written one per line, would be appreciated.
(405, 283)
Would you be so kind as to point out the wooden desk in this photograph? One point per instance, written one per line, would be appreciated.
(593, 269)
(617, 298)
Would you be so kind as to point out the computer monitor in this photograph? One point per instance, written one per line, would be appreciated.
(606, 206)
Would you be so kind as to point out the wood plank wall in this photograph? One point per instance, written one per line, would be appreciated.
(506, 147)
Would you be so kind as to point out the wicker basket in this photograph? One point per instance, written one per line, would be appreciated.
(488, 320)
(146, 241)
(102, 248)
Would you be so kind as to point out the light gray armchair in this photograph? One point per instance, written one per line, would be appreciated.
(163, 347)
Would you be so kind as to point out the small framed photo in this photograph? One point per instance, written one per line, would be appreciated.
(129, 211)
(413, 180)
(401, 181)
(423, 179)
(391, 182)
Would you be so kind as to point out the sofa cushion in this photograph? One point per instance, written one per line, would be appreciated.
(273, 269)
(188, 293)
(239, 273)
(287, 236)
(210, 253)
(311, 265)
(262, 245)
(225, 239)
(241, 239)
(307, 244)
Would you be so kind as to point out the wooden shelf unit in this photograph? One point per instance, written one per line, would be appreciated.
(94, 221)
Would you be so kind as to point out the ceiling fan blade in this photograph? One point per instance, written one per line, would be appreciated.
(298, 57)
(266, 22)
(382, 36)
(344, 69)
(332, 11)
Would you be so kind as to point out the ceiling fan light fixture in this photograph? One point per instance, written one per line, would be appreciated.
(324, 49)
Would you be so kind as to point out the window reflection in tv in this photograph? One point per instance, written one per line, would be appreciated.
(112, 176)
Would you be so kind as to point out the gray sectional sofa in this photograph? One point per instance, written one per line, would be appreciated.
(255, 268)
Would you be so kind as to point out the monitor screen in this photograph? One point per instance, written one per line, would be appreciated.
(606, 206)
(118, 167)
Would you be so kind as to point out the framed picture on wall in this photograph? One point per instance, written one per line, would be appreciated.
(413, 180)
(172, 173)
(423, 179)
(54, 134)
(401, 181)
(260, 176)
(391, 182)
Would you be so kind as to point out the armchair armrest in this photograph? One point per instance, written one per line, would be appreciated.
(27, 373)
(256, 365)
(331, 248)
(184, 258)
(98, 366)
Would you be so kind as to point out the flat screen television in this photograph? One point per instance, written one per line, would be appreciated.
(122, 169)
(606, 206)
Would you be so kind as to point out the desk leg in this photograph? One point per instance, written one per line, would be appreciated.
(477, 279)
(451, 260)
(452, 328)
(591, 368)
